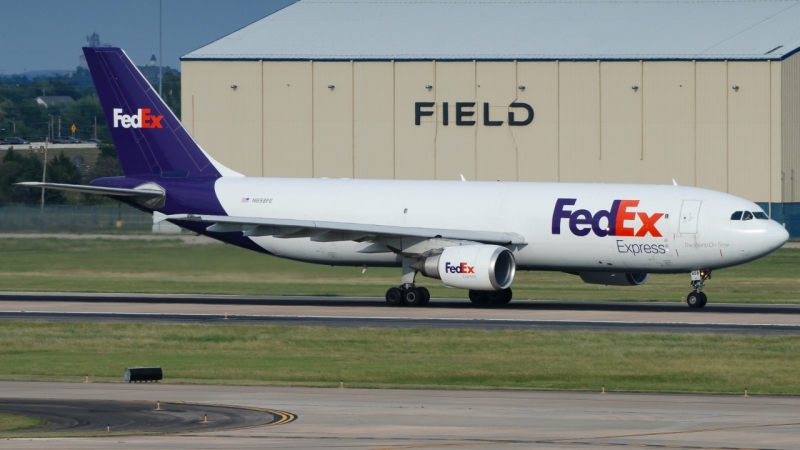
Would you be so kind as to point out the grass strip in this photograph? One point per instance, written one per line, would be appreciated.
(14, 422)
(403, 358)
(61, 265)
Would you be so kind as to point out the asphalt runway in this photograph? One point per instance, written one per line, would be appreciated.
(373, 312)
(93, 416)
(410, 419)
(383, 322)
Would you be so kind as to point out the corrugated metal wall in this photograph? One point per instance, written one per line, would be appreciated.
(790, 126)
(631, 122)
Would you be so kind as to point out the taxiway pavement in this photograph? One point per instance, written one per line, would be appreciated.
(403, 419)
(373, 312)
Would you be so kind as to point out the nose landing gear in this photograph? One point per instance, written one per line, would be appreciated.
(696, 298)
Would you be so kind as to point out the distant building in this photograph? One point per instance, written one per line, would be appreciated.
(150, 71)
(54, 100)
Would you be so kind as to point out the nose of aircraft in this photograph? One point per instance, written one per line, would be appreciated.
(776, 235)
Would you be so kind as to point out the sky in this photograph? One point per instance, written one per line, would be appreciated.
(49, 34)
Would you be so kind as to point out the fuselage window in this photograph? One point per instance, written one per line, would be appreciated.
(736, 216)
(747, 215)
(760, 215)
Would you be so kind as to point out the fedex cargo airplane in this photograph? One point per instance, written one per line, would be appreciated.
(472, 235)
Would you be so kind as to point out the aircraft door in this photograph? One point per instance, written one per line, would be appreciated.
(690, 210)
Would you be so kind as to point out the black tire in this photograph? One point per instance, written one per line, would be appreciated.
(704, 299)
(394, 296)
(413, 297)
(494, 297)
(478, 297)
(426, 295)
(498, 297)
(695, 299)
(508, 294)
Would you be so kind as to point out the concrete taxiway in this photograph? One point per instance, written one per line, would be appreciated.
(373, 312)
(394, 419)
(93, 416)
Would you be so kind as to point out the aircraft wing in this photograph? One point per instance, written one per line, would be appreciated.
(95, 189)
(324, 231)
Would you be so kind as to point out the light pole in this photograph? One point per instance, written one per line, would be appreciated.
(160, 55)
(44, 169)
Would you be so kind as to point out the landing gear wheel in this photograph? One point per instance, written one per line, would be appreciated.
(413, 297)
(507, 296)
(426, 295)
(499, 297)
(696, 299)
(479, 297)
(394, 296)
(704, 298)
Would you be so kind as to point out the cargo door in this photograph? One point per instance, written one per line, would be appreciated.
(690, 210)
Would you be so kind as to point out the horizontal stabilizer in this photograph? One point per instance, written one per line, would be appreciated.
(95, 189)
(247, 223)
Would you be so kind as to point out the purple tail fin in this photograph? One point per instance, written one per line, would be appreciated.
(150, 140)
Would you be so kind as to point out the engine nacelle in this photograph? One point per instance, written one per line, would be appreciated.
(614, 278)
(475, 267)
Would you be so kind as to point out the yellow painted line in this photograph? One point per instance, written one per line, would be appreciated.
(284, 417)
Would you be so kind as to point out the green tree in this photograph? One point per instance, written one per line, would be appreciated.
(17, 167)
(171, 90)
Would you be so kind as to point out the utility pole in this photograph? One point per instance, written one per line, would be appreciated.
(95, 127)
(160, 55)
(59, 125)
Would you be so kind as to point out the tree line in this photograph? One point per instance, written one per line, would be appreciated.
(21, 116)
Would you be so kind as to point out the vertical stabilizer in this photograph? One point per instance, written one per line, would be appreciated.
(150, 140)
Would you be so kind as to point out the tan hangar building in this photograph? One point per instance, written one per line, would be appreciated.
(706, 93)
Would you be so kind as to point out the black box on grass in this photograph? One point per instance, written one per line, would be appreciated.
(137, 374)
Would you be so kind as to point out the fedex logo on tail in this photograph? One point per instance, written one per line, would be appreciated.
(619, 220)
(142, 119)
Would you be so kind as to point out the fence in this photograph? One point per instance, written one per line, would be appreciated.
(73, 219)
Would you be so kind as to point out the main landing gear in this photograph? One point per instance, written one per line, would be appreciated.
(696, 298)
(408, 295)
(486, 298)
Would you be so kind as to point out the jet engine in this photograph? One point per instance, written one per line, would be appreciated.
(614, 278)
(474, 267)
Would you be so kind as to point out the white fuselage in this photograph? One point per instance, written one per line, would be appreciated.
(685, 228)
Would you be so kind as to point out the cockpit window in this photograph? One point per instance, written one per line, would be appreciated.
(736, 216)
(760, 215)
(747, 215)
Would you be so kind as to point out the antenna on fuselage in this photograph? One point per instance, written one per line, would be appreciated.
(674, 183)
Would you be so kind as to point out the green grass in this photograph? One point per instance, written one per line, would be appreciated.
(13, 422)
(405, 358)
(175, 267)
